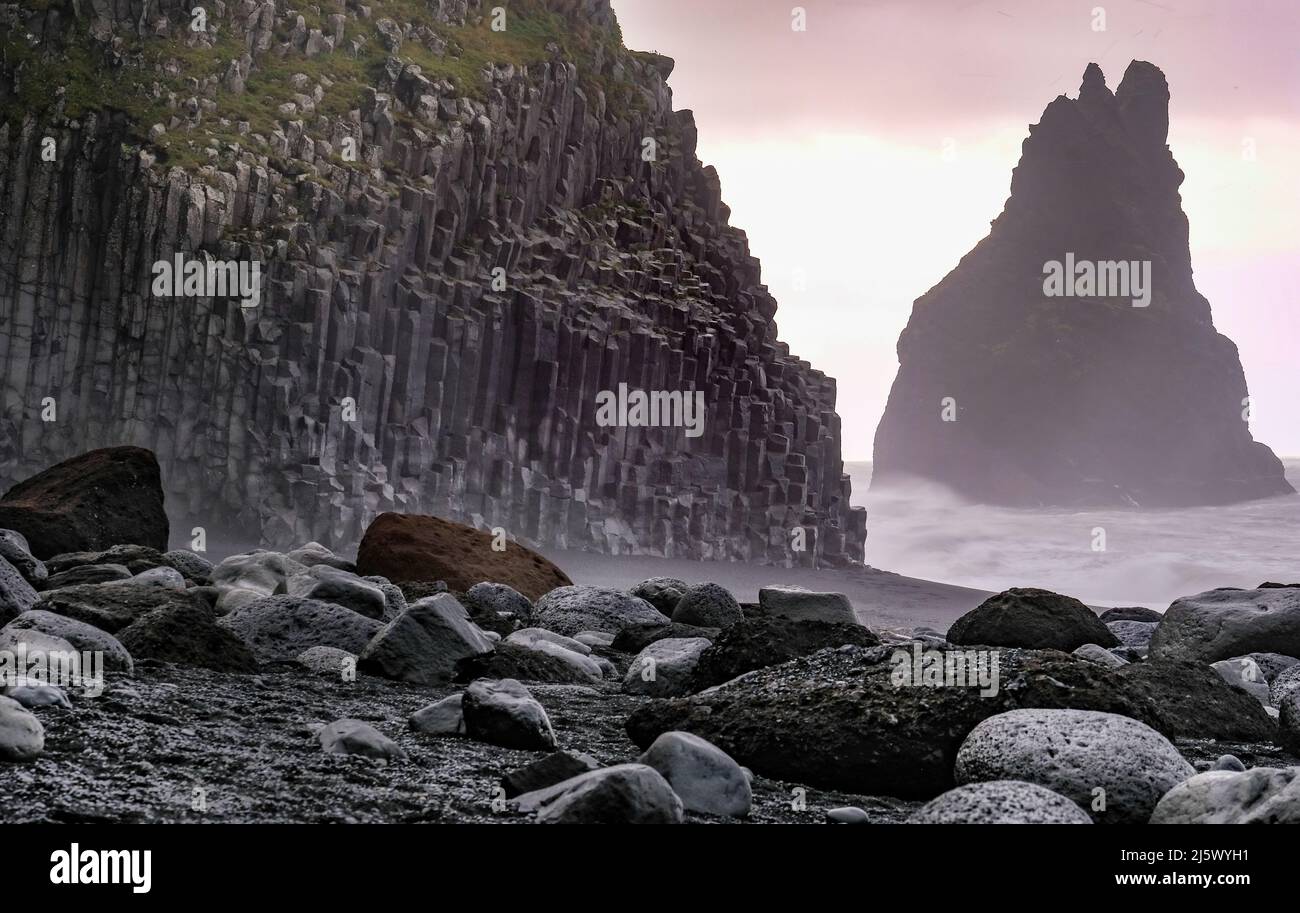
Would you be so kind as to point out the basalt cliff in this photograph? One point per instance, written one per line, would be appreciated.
(1112, 394)
(467, 220)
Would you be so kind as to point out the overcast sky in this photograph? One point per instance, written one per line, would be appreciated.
(867, 154)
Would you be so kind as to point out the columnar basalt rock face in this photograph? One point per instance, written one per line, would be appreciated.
(1009, 395)
(384, 369)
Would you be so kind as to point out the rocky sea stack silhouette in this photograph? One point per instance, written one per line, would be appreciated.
(1012, 390)
(462, 235)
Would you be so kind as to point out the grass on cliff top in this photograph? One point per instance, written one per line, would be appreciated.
(90, 84)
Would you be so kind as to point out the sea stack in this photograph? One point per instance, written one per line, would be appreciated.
(1069, 359)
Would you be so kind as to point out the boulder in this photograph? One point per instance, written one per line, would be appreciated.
(314, 554)
(592, 639)
(327, 583)
(580, 661)
(412, 547)
(87, 574)
(1077, 753)
(708, 605)
(500, 600)
(111, 607)
(665, 668)
(1100, 655)
(252, 574)
(1288, 721)
(1286, 682)
(278, 628)
(704, 776)
(22, 737)
(1031, 618)
(357, 737)
(191, 565)
(504, 713)
(424, 643)
(166, 577)
(1262, 795)
(1000, 802)
(83, 637)
(16, 594)
(556, 767)
(92, 501)
(661, 592)
(188, 635)
(803, 721)
(1133, 635)
(327, 660)
(527, 636)
(528, 663)
(571, 609)
(1131, 613)
(135, 558)
(444, 717)
(1221, 624)
(804, 605)
(32, 695)
(622, 794)
(756, 643)
(15, 549)
(1188, 700)
(635, 638)
(1244, 674)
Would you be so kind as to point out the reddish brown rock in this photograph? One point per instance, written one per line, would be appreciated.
(405, 547)
(91, 502)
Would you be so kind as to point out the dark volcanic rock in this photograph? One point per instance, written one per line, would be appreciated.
(82, 636)
(1009, 395)
(509, 660)
(87, 574)
(1130, 613)
(554, 768)
(16, 594)
(503, 712)
(1192, 701)
(187, 635)
(661, 592)
(836, 719)
(111, 606)
(571, 610)
(635, 638)
(101, 498)
(1036, 619)
(424, 643)
(707, 605)
(411, 547)
(756, 643)
(278, 628)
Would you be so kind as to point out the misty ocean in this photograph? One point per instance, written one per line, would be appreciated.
(1150, 557)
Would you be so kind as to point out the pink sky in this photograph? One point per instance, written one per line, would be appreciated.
(866, 155)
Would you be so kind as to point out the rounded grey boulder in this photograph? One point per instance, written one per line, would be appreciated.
(1033, 618)
(622, 794)
(83, 637)
(357, 737)
(22, 737)
(505, 713)
(704, 776)
(569, 610)
(1113, 766)
(661, 592)
(1262, 795)
(281, 627)
(708, 605)
(1000, 802)
(1224, 623)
